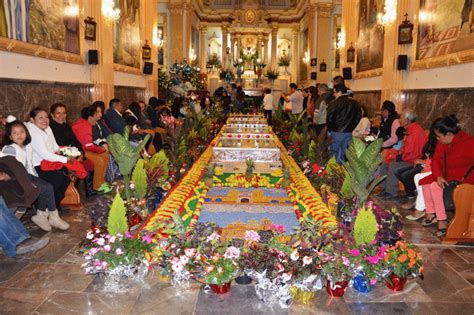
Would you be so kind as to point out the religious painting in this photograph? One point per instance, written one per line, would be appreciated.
(90, 28)
(371, 35)
(445, 27)
(127, 33)
(303, 49)
(53, 23)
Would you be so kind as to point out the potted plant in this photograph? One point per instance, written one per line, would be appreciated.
(338, 273)
(403, 260)
(272, 75)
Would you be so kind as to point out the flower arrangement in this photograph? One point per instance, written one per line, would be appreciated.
(70, 152)
(272, 74)
(220, 265)
(168, 121)
(404, 260)
(283, 61)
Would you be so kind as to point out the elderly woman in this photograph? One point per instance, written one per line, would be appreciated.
(452, 161)
(44, 148)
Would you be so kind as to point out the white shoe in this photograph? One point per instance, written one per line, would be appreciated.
(56, 222)
(41, 220)
(31, 245)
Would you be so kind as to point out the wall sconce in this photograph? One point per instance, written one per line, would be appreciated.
(146, 51)
(192, 56)
(350, 54)
(71, 10)
(158, 37)
(306, 57)
(108, 10)
(389, 15)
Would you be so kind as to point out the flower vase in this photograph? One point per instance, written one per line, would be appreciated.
(338, 289)
(362, 283)
(220, 288)
(395, 282)
(300, 295)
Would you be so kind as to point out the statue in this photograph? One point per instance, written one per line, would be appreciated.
(228, 77)
(239, 73)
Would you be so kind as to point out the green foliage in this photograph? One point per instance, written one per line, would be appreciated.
(365, 226)
(158, 160)
(164, 82)
(125, 155)
(250, 168)
(362, 161)
(312, 152)
(139, 179)
(117, 222)
(286, 178)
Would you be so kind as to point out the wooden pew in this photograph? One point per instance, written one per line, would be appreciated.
(461, 228)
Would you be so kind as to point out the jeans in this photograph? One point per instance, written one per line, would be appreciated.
(46, 197)
(340, 142)
(407, 175)
(268, 116)
(59, 180)
(12, 232)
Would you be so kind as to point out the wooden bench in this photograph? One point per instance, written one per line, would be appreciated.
(461, 228)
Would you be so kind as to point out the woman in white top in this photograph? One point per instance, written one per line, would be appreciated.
(268, 105)
(17, 140)
(45, 148)
(363, 127)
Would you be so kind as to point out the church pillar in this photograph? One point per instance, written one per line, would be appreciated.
(203, 53)
(324, 38)
(393, 79)
(232, 47)
(274, 47)
(187, 34)
(176, 39)
(349, 32)
(149, 23)
(265, 53)
(295, 60)
(102, 74)
(225, 35)
(239, 46)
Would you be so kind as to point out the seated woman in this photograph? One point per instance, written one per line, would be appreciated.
(133, 117)
(82, 128)
(363, 127)
(44, 149)
(17, 140)
(452, 159)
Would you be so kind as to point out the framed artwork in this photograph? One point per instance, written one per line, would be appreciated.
(322, 67)
(405, 32)
(146, 51)
(314, 62)
(314, 76)
(90, 28)
(351, 54)
(127, 33)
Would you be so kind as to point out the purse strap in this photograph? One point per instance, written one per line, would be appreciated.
(467, 173)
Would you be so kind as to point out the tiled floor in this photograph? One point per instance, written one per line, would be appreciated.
(51, 281)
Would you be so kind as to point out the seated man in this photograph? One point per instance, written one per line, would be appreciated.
(410, 151)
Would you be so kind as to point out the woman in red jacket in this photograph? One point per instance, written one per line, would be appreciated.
(453, 157)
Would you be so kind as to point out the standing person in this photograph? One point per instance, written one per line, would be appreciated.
(268, 105)
(295, 97)
(363, 127)
(226, 103)
(320, 109)
(17, 140)
(44, 148)
(240, 99)
(343, 117)
(206, 101)
(452, 160)
(389, 125)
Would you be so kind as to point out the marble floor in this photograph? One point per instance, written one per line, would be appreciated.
(51, 281)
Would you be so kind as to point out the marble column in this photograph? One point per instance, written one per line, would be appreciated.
(187, 34)
(203, 53)
(225, 36)
(149, 23)
(295, 58)
(176, 40)
(265, 53)
(393, 79)
(102, 74)
(324, 39)
(232, 47)
(312, 38)
(274, 47)
(239, 46)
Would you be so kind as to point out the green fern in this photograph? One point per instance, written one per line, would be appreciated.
(139, 179)
(365, 226)
(312, 152)
(117, 221)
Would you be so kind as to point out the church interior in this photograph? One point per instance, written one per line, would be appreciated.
(236, 156)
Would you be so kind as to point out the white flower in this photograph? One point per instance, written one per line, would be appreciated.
(286, 276)
(190, 252)
(118, 251)
(89, 236)
(307, 260)
(107, 248)
(232, 252)
(252, 236)
(184, 259)
(101, 241)
(213, 236)
(294, 255)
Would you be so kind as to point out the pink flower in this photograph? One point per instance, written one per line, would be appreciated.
(213, 236)
(286, 276)
(107, 248)
(177, 267)
(252, 236)
(307, 260)
(232, 252)
(128, 235)
(104, 264)
(373, 259)
(354, 252)
(101, 241)
(280, 267)
(345, 260)
(94, 250)
(173, 246)
(373, 281)
(190, 252)
(147, 238)
(184, 259)
(219, 269)
(118, 251)
(111, 238)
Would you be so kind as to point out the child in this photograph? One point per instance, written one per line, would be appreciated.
(17, 143)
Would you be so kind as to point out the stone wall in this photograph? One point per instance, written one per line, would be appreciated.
(128, 94)
(18, 97)
(370, 99)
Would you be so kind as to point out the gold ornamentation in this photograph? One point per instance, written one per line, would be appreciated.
(324, 10)
(126, 69)
(369, 73)
(250, 17)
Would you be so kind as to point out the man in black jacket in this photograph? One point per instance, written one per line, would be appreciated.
(343, 117)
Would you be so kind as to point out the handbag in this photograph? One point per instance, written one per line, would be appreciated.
(288, 106)
(72, 198)
(449, 189)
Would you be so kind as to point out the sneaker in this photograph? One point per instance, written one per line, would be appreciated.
(105, 188)
(56, 222)
(41, 220)
(410, 204)
(416, 216)
(31, 245)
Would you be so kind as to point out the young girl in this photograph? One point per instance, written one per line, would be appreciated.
(17, 140)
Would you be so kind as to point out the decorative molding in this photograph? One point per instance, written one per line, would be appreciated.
(16, 46)
(324, 10)
(176, 10)
(127, 69)
(369, 73)
(443, 61)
